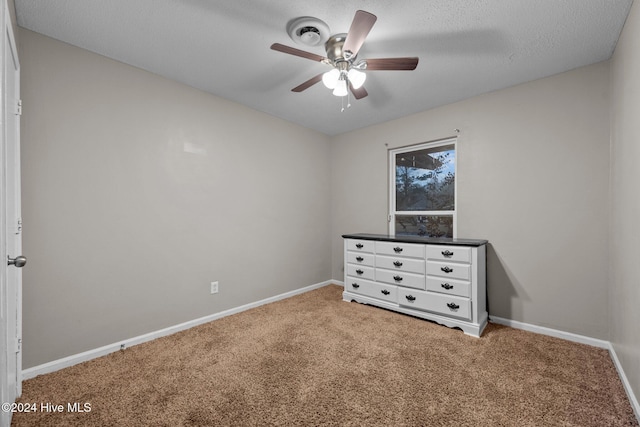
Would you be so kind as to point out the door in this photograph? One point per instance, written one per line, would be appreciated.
(11, 223)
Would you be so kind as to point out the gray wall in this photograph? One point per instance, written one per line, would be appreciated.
(533, 179)
(138, 192)
(624, 292)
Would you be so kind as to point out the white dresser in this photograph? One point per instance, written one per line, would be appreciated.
(439, 279)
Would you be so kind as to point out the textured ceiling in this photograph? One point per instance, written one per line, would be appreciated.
(466, 47)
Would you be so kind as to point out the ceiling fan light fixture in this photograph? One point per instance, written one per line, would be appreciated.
(356, 78)
(347, 74)
(330, 78)
(341, 87)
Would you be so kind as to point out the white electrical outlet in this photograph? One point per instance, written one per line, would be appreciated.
(214, 287)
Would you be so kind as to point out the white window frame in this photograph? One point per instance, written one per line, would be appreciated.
(392, 184)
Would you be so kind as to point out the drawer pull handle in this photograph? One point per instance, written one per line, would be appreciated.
(359, 259)
(355, 285)
(410, 298)
(397, 263)
(359, 245)
(397, 278)
(453, 306)
(447, 254)
(397, 249)
(446, 286)
(358, 271)
(447, 269)
(385, 292)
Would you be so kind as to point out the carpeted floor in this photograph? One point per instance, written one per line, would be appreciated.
(316, 360)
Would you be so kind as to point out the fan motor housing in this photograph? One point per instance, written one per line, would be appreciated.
(333, 47)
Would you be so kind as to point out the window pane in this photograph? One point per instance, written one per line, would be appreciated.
(425, 179)
(427, 226)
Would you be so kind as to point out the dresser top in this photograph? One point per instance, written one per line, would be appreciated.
(417, 239)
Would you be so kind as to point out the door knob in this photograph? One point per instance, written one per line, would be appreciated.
(18, 261)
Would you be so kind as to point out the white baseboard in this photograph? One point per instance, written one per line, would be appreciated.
(625, 382)
(74, 359)
(551, 332)
(582, 340)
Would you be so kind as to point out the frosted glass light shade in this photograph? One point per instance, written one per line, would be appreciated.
(330, 78)
(357, 78)
(341, 88)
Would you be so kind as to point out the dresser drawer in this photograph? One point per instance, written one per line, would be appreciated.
(449, 253)
(449, 270)
(360, 245)
(400, 278)
(373, 290)
(408, 265)
(360, 258)
(449, 286)
(400, 249)
(360, 271)
(447, 305)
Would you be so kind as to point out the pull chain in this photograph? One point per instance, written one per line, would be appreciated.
(342, 101)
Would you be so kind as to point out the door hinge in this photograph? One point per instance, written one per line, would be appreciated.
(18, 345)
(389, 218)
(19, 109)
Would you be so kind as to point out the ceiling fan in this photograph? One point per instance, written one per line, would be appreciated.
(342, 51)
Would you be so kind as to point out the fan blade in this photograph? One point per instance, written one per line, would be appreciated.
(392, 64)
(359, 93)
(307, 84)
(297, 52)
(360, 27)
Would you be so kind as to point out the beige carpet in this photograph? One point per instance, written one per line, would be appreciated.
(316, 360)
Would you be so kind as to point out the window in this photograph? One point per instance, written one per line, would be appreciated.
(423, 189)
